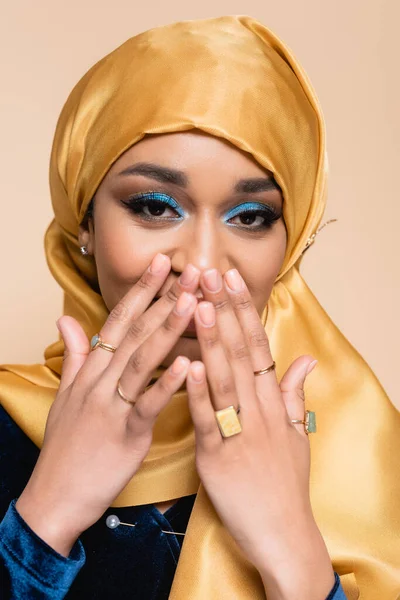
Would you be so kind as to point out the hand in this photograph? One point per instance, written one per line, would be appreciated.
(94, 441)
(257, 480)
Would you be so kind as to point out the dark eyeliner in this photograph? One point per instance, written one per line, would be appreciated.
(154, 200)
(257, 209)
(136, 203)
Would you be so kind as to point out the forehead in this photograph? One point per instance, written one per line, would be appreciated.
(194, 152)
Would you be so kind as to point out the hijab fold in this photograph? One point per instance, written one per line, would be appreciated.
(233, 78)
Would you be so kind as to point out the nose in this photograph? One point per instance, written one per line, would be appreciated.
(203, 245)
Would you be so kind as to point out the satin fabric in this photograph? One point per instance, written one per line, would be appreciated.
(233, 78)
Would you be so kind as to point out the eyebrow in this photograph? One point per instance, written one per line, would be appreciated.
(256, 184)
(166, 175)
(153, 171)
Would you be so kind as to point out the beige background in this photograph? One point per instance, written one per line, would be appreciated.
(350, 50)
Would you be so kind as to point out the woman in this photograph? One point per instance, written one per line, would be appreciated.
(188, 177)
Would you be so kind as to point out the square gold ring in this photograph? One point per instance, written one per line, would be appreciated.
(228, 421)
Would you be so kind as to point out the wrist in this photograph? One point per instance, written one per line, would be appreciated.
(299, 570)
(48, 523)
(299, 582)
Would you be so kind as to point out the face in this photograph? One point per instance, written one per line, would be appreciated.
(197, 199)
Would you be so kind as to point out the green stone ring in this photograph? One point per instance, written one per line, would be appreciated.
(310, 422)
(97, 342)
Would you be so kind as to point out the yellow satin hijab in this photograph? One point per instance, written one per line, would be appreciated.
(230, 77)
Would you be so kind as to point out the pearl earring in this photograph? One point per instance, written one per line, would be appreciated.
(84, 250)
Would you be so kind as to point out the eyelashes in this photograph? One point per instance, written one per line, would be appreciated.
(249, 212)
(152, 206)
(156, 202)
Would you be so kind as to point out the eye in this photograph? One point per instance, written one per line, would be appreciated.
(253, 216)
(154, 206)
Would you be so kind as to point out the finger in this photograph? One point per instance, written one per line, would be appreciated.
(135, 302)
(134, 375)
(292, 388)
(267, 386)
(230, 334)
(150, 404)
(220, 379)
(208, 437)
(130, 319)
(76, 349)
(156, 315)
(129, 308)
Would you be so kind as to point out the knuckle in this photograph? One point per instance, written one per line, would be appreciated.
(242, 302)
(164, 386)
(171, 295)
(120, 313)
(168, 325)
(136, 330)
(198, 395)
(210, 342)
(135, 361)
(143, 410)
(145, 281)
(222, 305)
(258, 338)
(207, 430)
(300, 393)
(238, 351)
(225, 386)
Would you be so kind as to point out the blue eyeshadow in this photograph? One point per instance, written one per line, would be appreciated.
(248, 207)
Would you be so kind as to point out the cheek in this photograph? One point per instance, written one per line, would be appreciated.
(122, 253)
(262, 266)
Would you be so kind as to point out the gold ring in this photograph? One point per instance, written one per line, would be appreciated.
(97, 342)
(267, 370)
(310, 422)
(228, 422)
(122, 395)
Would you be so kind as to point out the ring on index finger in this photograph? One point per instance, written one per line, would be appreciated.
(97, 342)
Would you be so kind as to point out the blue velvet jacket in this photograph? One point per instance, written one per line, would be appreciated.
(122, 563)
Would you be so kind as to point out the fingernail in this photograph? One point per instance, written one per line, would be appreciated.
(213, 280)
(57, 325)
(207, 313)
(188, 275)
(158, 263)
(234, 280)
(197, 372)
(179, 365)
(311, 367)
(185, 301)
